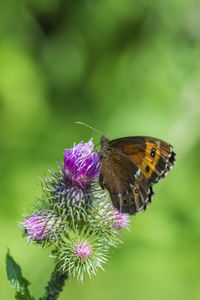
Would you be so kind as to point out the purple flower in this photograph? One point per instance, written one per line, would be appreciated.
(118, 220)
(37, 227)
(83, 250)
(81, 165)
(121, 220)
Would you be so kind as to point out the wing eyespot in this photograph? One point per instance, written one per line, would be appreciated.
(153, 152)
(125, 202)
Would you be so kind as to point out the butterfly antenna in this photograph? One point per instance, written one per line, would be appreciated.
(81, 123)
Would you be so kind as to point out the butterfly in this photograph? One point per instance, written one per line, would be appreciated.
(129, 168)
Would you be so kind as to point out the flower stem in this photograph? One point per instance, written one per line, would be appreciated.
(55, 285)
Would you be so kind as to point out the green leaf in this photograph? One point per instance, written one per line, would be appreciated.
(16, 279)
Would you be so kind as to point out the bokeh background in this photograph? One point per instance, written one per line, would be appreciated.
(127, 68)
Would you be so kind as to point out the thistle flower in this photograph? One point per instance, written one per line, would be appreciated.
(70, 191)
(104, 221)
(115, 218)
(81, 165)
(121, 220)
(38, 227)
(80, 253)
(75, 216)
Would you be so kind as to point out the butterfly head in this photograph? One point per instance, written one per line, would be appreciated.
(103, 141)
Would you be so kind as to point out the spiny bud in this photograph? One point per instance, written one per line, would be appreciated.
(38, 227)
(80, 253)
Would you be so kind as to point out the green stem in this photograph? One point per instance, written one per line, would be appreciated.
(55, 285)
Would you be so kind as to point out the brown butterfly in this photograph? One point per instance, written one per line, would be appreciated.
(130, 167)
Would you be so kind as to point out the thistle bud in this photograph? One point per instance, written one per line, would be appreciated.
(38, 227)
(80, 253)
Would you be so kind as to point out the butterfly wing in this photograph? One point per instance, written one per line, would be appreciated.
(126, 184)
(130, 166)
(152, 156)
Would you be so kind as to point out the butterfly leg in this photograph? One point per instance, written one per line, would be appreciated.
(101, 180)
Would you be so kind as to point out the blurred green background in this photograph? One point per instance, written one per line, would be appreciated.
(127, 68)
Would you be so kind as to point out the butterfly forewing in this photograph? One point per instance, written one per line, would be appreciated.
(152, 156)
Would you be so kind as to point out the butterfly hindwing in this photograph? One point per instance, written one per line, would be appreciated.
(125, 182)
